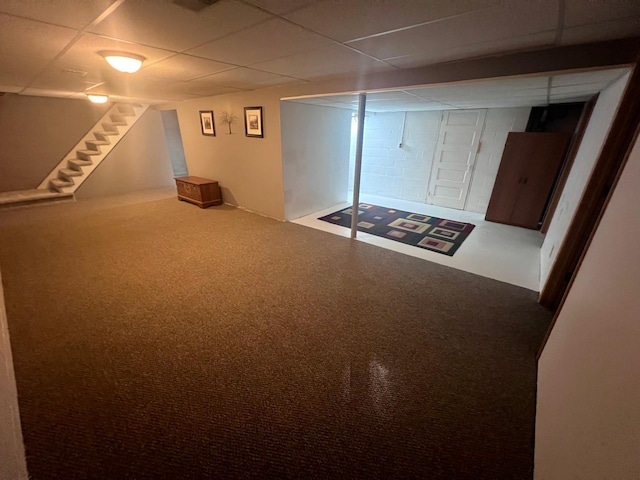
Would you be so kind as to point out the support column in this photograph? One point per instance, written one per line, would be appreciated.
(362, 102)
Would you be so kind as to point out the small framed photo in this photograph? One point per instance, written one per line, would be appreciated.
(206, 123)
(253, 122)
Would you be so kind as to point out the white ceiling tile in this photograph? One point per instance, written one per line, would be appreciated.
(17, 70)
(205, 90)
(323, 62)
(340, 105)
(566, 98)
(596, 76)
(267, 41)
(581, 12)
(85, 51)
(487, 25)
(500, 93)
(75, 78)
(482, 49)
(246, 78)
(184, 67)
(595, 32)
(23, 37)
(361, 18)
(282, 6)
(171, 27)
(67, 13)
(132, 86)
(393, 95)
(41, 92)
(585, 88)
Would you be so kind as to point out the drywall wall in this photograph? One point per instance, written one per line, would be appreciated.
(594, 137)
(315, 157)
(588, 420)
(139, 161)
(36, 133)
(248, 169)
(497, 125)
(12, 459)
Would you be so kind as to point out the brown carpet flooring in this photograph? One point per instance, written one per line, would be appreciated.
(161, 341)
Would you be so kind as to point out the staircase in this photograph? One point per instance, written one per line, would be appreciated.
(85, 157)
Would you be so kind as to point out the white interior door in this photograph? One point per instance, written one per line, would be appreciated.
(456, 151)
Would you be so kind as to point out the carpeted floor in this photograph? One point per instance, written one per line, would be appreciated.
(161, 341)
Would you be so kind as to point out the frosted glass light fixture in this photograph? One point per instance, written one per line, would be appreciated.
(123, 61)
(97, 98)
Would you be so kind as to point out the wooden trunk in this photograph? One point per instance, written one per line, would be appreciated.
(199, 191)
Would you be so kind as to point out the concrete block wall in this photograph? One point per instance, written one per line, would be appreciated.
(390, 170)
(403, 172)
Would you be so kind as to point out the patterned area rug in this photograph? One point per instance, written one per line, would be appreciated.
(432, 233)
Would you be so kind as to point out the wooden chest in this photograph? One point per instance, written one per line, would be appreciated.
(199, 191)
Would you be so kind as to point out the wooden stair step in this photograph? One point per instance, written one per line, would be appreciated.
(89, 152)
(69, 172)
(78, 162)
(97, 143)
(59, 183)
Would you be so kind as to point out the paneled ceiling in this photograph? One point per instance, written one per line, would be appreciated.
(509, 92)
(50, 47)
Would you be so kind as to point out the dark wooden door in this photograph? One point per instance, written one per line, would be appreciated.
(530, 164)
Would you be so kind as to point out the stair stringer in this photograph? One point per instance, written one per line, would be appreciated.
(93, 148)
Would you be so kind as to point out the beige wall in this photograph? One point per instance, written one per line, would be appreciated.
(315, 157)
(249, 169)
(588, 407)
(594, 137)
(139, 161)
(36, 133)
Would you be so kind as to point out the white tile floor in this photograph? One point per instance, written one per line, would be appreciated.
(505, 253)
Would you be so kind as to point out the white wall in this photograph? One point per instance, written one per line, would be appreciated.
(403, 173)
(497, 125)
(12, 459)
(588, 406)
(139, 161)
(315, 157)
(595, 134)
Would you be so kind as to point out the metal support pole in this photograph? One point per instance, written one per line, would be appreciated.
(362, 102)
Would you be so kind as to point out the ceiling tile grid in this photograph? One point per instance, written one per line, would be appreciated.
(250, 44)
(268, 41)
(170, 26)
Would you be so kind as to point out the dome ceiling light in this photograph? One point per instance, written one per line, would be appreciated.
(97, 98)
(123, 61)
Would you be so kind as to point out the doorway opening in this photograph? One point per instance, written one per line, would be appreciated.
(174, 143)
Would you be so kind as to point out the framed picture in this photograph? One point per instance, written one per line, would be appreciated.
(206, 123)
(253, 122)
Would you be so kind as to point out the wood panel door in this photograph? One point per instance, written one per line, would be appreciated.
(529, 167)
(455, 155)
